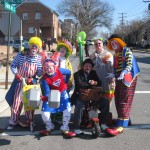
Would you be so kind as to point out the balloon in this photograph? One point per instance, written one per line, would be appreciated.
(83, 42)
(81, 36)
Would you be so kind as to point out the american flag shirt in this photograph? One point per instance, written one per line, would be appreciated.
(21, 59)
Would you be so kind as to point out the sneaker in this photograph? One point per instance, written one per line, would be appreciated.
(10, 127)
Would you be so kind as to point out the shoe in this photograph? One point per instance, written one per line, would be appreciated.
(115, 131)
(79, 132)
(10, 127)
(24, 124)
(68, 133)
(45, 132)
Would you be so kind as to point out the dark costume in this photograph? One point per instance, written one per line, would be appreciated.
(82, 82)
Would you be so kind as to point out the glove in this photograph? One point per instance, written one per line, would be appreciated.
(110, 75)
(122, 75)
(18, 77)
(44, 98)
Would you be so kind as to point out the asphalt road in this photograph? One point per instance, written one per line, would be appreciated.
(136, 137)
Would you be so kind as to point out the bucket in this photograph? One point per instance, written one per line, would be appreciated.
(54, 99)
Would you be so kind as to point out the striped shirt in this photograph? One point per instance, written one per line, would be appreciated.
(21, 58)
(119, 61)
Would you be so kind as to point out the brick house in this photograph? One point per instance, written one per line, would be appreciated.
(38, 19)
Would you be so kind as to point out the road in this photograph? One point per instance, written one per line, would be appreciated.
(136, 137)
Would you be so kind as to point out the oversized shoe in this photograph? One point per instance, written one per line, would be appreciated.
(114, 122)
(45, 132)
(68, 133)
(114, 131)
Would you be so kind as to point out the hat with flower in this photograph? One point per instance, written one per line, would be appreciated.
(67, 45)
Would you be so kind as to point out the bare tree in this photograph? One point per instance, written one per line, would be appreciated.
(89, 14)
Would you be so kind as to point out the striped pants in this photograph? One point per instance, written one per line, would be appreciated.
(16, 108)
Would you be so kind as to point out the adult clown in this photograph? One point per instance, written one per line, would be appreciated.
(26, 64)
(53, 80)
(125, 71)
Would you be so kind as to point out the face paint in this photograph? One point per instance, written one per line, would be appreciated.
(49, 68)
(114, 44)
(33, 49)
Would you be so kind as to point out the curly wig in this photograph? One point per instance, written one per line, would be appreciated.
(36, 41)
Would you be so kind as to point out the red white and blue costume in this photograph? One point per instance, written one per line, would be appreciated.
(56, 82)
(26, 66)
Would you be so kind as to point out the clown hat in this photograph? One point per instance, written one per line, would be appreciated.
(67, 45)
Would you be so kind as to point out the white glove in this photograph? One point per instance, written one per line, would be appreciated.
(122, 75)
(110, 75)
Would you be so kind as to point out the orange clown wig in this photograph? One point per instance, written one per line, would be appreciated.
(116, 38)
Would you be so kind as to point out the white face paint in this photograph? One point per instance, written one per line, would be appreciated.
(115, 45)
(33, 50)
(49, 68)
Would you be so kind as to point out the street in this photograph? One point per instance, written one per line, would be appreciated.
(135, 137)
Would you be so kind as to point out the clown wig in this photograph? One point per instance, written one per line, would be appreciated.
(116, 38)
(36, 41)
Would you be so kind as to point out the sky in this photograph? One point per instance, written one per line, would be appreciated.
(131, 9)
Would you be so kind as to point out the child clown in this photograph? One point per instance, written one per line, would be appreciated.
(65, 50)
(53, 80)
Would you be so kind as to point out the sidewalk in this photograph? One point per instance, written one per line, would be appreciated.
(3, 91)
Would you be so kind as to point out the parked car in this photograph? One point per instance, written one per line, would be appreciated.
(16, 45)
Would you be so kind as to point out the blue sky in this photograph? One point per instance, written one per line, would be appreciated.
(132, 9)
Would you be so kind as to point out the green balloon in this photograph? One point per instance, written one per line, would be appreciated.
(83, 42)
(81, 36)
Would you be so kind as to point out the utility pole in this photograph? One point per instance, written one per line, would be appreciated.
(122, 21)
(148, 5)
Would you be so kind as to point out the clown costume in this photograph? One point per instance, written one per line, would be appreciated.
(53, 80)
(26, 64)
(125, 72)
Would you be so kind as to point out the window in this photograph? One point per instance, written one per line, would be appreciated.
(25, 16)
(37, 16)
(31, 29)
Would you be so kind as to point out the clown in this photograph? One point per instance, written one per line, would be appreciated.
(26, 64)
(53, 80)
(65, 50)
(126, 71)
